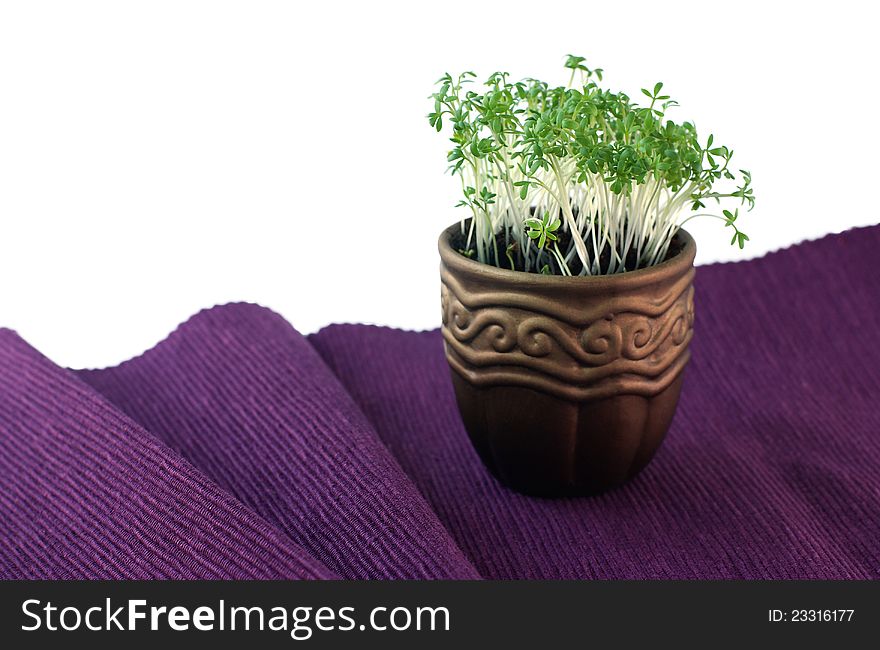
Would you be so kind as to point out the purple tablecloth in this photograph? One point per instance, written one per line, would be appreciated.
(238, 448)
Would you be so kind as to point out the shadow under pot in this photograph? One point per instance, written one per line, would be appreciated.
(566, 385)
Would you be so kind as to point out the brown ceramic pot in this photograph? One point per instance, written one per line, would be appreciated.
(566, 385)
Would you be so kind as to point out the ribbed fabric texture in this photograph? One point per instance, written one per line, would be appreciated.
(771, 468)
(244, 397)
(87, 493)
(238, 448)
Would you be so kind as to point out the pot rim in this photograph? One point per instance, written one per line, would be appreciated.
(675, 266)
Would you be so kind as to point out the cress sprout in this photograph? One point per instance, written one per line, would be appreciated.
(577, 179)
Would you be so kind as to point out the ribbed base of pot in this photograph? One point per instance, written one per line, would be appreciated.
(543, 445)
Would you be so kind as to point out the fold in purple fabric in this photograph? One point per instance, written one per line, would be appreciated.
(87, 493)
(239, 393)
(238, 448)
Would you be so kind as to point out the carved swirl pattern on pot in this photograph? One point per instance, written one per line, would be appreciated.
(640, 348)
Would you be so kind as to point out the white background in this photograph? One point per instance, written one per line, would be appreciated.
(160, 157)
